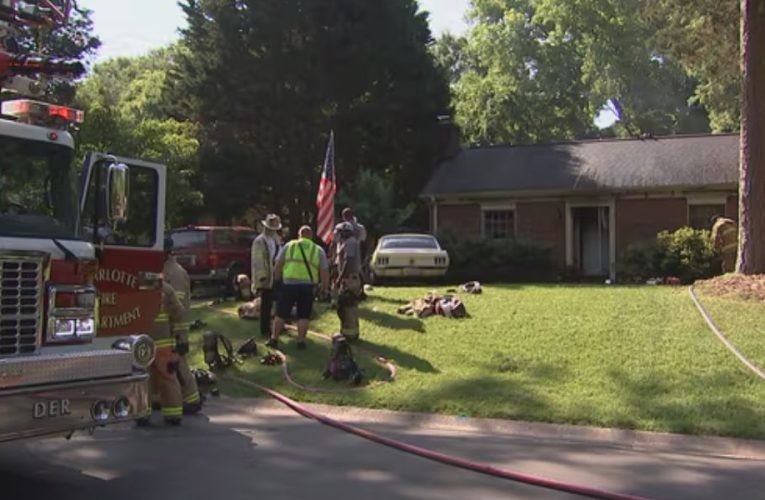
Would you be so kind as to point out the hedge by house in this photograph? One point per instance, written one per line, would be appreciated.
(495, 260)
(686, 253)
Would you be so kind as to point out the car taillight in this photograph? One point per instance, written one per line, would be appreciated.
(212, 261)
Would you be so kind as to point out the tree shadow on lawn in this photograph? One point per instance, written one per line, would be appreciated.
(653, 399)
(392, 321)
(502, 363)
(399, 357)
(387, 300)
(485, 396)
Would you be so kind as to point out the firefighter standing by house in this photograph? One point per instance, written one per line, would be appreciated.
(725, 241)
(360, 233)
(178, 278)
(348, 282)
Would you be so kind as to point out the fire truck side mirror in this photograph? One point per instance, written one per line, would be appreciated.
(117, 193)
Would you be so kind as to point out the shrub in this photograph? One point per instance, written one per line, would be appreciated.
(686, 253)
(495, 260)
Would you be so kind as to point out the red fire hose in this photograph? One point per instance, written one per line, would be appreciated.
(489, 470)
(439, 457)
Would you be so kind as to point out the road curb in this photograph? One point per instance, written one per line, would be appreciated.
(575, 435)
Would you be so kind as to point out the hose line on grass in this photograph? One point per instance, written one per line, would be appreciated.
(381, 360)
(378, 358)
(720, 335)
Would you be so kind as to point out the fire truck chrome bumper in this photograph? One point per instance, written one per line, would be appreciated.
(26, 371)
(62, 408)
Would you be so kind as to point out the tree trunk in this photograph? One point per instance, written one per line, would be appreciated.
(751, 252)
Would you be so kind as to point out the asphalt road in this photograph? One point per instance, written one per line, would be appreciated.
(251, 449)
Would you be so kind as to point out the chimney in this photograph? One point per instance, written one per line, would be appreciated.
(449, 139)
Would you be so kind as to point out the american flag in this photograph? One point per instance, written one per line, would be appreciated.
(325, 201)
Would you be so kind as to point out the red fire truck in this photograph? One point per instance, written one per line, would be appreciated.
(80, 264)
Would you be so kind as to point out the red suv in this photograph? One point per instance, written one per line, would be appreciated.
(213, 255)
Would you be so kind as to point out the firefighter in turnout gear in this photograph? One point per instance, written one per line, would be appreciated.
(348, 281)
(164, 376)
(178, 278)
(725, 242)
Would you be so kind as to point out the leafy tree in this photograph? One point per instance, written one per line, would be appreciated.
(451, 56)
(124, 110)
(703, 36)
(520, 85)
(621, 63)
(539, 70)
(372, 197)
(268, 79)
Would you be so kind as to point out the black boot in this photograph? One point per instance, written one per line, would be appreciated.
(143, 422)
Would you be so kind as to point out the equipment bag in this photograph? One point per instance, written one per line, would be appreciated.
(341, 365)
(206, 382)
(248, 349)
(214, 359)
(451, 307)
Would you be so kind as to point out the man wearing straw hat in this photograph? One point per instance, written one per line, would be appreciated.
(265, 248)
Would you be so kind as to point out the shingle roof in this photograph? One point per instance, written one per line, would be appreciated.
(600, 165)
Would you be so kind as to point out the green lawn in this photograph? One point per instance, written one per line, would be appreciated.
(628, 357)
(743, 322)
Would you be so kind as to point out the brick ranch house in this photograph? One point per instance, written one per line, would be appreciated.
(586, 201)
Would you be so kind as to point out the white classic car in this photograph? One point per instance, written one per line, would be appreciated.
(408, 256)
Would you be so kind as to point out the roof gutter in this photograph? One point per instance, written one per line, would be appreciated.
(433, 197)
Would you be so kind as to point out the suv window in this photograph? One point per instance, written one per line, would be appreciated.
(244, 238)
(224, 238)
(189, 239)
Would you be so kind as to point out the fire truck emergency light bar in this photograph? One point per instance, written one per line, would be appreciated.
(36, 12)
(41, 113)
(23, 65)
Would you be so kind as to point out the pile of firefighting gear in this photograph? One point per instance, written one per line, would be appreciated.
(472, 287)
(449, 306)
(250, 310)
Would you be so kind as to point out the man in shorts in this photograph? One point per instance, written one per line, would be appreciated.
(300, 265)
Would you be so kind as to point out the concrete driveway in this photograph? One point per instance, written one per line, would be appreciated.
(247, 449)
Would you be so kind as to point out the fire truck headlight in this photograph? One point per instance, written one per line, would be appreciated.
(71, 314)
(121, 408)
(101, 411)
(71, 330)
(141, 346)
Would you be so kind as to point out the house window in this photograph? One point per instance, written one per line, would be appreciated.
(498, 224)
(699, 215)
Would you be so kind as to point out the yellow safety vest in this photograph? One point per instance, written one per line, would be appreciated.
(295, 268)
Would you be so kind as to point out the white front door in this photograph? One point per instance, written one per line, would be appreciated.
(591, 240)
